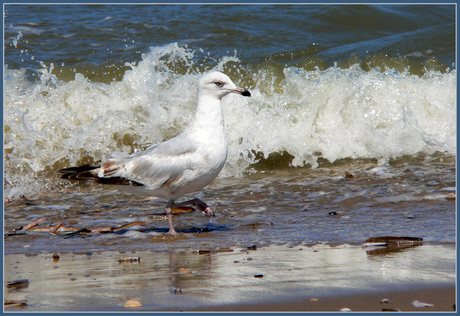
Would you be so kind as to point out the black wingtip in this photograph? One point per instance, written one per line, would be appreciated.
(246, 93)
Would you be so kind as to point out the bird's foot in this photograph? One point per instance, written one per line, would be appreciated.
(208, 211)
(172, 232)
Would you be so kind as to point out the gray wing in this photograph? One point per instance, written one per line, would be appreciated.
(156, 166)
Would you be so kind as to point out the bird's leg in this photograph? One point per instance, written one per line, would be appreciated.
(171, 231)
(197, 203)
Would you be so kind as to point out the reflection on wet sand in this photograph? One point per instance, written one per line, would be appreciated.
(186, 279)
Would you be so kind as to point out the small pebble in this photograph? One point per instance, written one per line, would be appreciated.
(15, 303)
(18, 284)
(132, 303)
(131, 259)
(420, 304)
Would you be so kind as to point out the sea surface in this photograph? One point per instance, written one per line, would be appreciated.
(350, 132)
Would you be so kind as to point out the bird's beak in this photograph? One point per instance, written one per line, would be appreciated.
(241, 91)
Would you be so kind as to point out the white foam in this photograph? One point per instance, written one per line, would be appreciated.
(334, 114)
(349, 113)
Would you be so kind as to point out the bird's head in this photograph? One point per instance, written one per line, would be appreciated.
(219, 85)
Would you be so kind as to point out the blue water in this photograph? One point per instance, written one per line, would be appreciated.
(101, 34)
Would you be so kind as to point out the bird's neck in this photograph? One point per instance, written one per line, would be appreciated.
(208, 120)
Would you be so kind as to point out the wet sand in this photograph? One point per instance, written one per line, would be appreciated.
(273, 278)
(399, 301)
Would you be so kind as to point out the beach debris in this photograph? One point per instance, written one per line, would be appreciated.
(451, 197)
(49, 228)
(129, 225)
(253, 247)
(332, 213)
(33, 224)
(14, 233)
(345, 309)
(14, 303)
(130, 259)
(419, 304)
(132, 303)
(387, 244)
(205, 251)
(177, 290)
(392, 241)
(102, 230)
(385, 301)
(348, 175)
(313, 300)
(17, 284)
(55, 257)
(55, 228)
(259, 276)
(185, 271)
(79, 233)
(73, 232)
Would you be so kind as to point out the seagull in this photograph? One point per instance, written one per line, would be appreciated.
(183, 164)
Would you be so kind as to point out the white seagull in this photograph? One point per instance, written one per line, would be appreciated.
(184, 164)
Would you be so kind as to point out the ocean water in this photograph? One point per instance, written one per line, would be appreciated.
(367, 89)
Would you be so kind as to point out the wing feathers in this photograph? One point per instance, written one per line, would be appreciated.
(160, 165)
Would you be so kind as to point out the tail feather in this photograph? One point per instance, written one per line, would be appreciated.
(89, 173)
(74, 172)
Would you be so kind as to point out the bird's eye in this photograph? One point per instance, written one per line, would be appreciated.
(218, 83)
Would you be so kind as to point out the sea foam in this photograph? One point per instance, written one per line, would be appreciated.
(332, 114)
